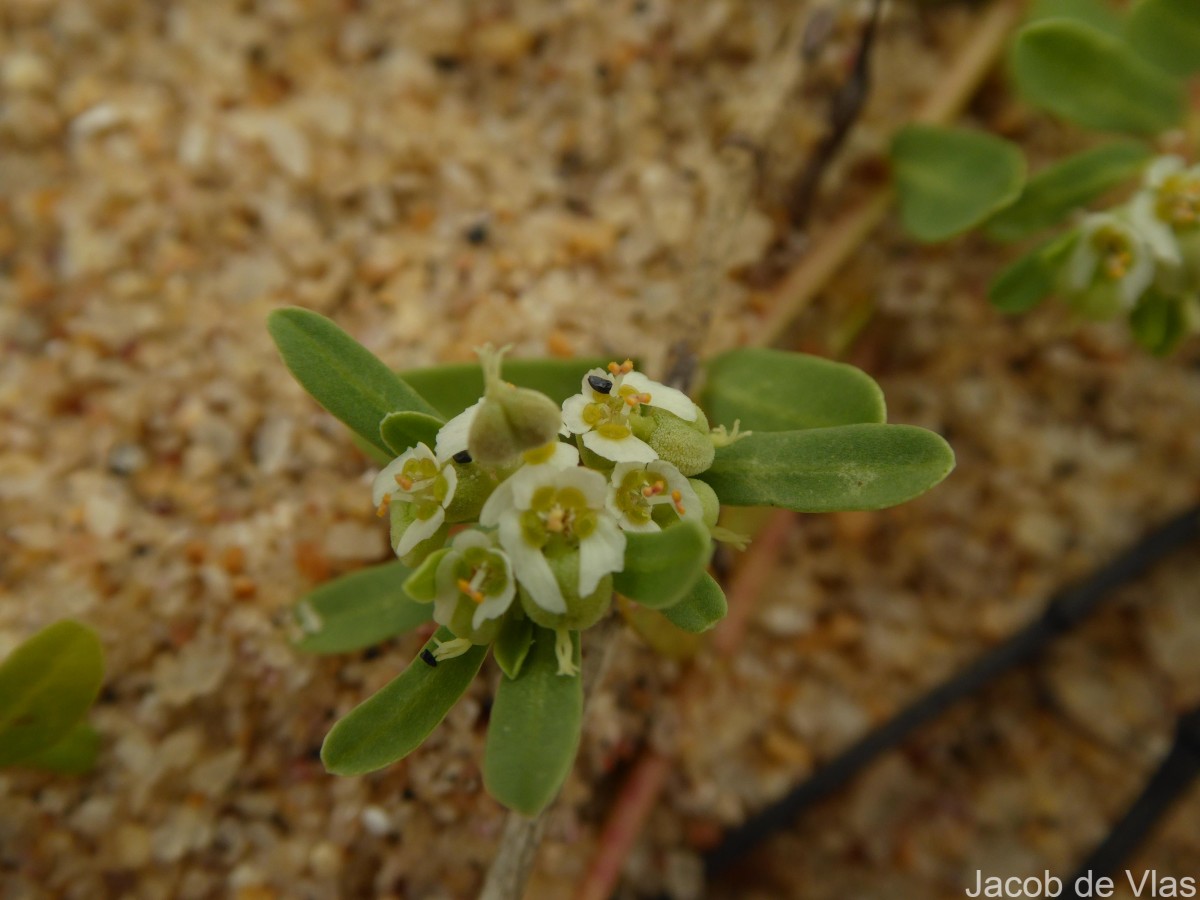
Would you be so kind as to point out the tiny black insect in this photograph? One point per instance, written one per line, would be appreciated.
(462, 457)
(600, 385)
(428, 659)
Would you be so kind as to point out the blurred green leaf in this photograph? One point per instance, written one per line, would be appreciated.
(772, 390)
(950, 179)
(1059, 189)
(701, 609)
(397, 718)
(1159, 322)
(1097, 13)
(358, 610)
(455, 386)
(46, 686)
(534, 728)
(1093, 79)
(340, 373)
(73, 754)
(828, 469)
(1167, 33)
(660, 566)
(512, 643)
(1032, 278)
(403, 430)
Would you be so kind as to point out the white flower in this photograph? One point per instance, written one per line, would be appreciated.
(474, 571)
(452, 437)
(417, 479)
(1167, 205)
(603, 412)
(636, 488)
(1110, 253)
(556, 510)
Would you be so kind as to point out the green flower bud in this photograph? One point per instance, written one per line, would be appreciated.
(686, 445)
(511, 419)
(475, 485)
(709, 504)
(582, 612)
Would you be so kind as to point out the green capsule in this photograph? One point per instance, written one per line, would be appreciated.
(511, 419)
(582, 612)
(686, 445)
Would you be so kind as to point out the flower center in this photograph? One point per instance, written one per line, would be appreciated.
(1179, 202)
(423, 484)
(1115, 251)
(559, 515)
(640, 491)
(479, 573)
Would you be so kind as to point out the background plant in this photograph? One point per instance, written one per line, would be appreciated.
(791, 430)
(47, 685)
(1081, 62)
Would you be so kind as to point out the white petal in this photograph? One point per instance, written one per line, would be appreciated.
(1153, 230)
(452, 437)
(443, 608)
(527, 480)
(472, 537)
(496, 606)
(451, 476)
(418, 530)
(530, 566)
(500, 500)
(602, 552)
(1161, 169)
(1082, 265)
(590, 484)
(566, 456)
(1138, 279)
(626, 449)
(572, 409)
(585, 387)
(663, 397)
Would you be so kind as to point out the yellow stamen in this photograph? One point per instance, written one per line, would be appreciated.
(404, 481)
(383, 506)
(465, 587)
(677, 500)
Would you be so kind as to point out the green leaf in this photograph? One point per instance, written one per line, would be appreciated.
(394, 721)
(512, 644)
(829, 469)
(1066, 186)
(1159, 322)
(74, 754)
(534, 730)
(950, 179)
(660, 566)
(453, 387)
(1093, 79)
(46, 686)
(1096, 13)
(402, 430)
(1167, 33)
(701, 609)
(340, 373)
(358, 610)
(772, 390)
(1032, 278)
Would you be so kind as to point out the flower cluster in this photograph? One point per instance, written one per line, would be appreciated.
(545, 498)
(1142, 258)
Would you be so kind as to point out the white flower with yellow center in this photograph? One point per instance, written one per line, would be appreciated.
(474, 588)
(553, 512)
(636, 489)
(1167, 209)
(421, 484)
(1110, 258)
(605, 413)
